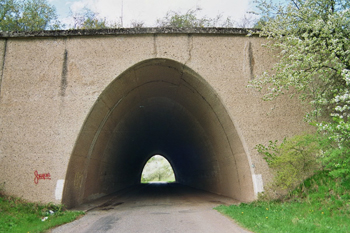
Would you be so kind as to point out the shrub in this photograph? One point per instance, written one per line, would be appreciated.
(336, 147)
(292, 161)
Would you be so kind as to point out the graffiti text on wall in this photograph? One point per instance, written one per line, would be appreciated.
(43, 176)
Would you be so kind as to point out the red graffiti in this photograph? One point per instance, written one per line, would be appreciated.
(44, 176)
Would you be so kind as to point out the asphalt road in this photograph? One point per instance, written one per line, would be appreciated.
(155, 208)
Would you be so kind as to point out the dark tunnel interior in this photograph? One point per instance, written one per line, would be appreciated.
(158, 106)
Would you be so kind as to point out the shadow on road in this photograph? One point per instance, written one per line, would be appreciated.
(157, 194)
(162, 207)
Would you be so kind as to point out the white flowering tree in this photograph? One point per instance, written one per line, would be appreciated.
(312, 40)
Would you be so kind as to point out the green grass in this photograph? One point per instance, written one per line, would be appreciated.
(320, 204)
(19, 216)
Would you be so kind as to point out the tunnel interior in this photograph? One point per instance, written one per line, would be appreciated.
(158, 106)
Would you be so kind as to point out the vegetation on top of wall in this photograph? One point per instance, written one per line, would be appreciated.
(190, 19)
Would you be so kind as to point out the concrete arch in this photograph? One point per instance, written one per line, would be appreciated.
(158, 106)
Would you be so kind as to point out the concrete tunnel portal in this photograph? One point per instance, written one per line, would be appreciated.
(157, 106)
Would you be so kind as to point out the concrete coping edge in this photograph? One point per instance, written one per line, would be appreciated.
(126, 31)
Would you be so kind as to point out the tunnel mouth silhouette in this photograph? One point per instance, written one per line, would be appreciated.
(157, 106)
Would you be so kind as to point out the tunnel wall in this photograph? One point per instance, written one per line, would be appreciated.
(58, 91)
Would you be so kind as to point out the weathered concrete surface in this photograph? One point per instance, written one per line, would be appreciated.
(87, 110)
(157, 208)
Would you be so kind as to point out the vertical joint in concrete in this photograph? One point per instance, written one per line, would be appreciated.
(251, 60)
(3, 64)
(64, 73)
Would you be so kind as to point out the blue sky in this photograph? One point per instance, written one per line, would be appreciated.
(149, 11)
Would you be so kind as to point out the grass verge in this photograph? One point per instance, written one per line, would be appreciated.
(20, 216)
(320, 204)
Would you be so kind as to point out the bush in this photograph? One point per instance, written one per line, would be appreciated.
(336, 147)
(294, 160)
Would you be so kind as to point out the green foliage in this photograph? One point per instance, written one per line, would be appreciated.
(17, 215)
(336, 147)
(292, 161)
(190, 19)
(311, 40)
(27, 15)
(156, 169)
(320, 204)
(8, 14)
(91, 23)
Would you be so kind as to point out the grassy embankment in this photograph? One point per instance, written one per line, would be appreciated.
(320, 204)
(20, 216)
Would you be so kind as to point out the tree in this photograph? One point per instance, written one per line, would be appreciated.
(247, 21)
(311, 38)
(190, 19)
(29, 15)
(87, 19)
(8, 14)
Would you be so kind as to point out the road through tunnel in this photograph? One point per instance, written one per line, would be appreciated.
(158, 106)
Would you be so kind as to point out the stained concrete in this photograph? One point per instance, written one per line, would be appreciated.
(87, 109)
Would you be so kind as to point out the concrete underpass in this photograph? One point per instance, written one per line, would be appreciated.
(158, 106)
(81, 111)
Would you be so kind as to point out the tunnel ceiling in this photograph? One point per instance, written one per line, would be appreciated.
(162, 107)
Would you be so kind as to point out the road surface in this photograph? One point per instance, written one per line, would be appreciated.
(155, 208)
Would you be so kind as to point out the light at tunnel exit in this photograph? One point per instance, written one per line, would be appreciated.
(157, 169)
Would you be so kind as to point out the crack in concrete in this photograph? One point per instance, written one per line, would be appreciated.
(190, 48)
(155, 51)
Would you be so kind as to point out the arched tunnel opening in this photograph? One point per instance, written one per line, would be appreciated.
(158, 106)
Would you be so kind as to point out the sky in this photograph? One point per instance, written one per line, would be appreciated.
(148, 11)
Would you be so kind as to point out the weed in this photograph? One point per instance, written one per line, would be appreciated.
(17, 215)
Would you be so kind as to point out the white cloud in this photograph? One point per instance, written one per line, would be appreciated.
(79, 5)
